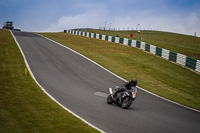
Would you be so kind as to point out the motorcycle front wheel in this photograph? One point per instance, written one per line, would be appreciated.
(109, 99)
(126, 102)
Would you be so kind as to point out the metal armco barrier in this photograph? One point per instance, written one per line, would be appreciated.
(177, 58)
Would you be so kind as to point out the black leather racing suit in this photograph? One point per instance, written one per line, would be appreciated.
(127, 85)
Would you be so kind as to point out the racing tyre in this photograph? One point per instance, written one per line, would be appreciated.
(126, 102)
(109, 99)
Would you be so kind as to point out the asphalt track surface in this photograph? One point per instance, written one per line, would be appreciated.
(80, 85)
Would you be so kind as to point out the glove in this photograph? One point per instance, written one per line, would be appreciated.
(123, 88)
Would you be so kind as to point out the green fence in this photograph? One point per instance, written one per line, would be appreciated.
(158, 51)
(180, 59)
(191, 63)
(147, 47)
(138, 43)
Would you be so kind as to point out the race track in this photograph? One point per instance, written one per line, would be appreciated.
(81, 86)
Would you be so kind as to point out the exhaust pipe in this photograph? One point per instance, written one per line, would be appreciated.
(110, 90)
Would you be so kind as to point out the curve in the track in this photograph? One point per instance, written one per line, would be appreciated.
(81, 85)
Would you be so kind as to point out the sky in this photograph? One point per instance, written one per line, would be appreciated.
(179, 16)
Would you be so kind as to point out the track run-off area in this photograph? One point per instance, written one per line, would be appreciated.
(81, 86)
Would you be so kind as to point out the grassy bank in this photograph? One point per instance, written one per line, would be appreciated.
(184, 44)
(23, 106)
(154, 74)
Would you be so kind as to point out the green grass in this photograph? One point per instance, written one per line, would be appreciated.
(184, 44)
(23, 106)
(153, 73)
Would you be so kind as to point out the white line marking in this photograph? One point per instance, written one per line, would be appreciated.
(101, 94)
(119, 76)
(27, 65)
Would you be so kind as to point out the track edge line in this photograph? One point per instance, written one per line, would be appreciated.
(28, 67)
(119, 76)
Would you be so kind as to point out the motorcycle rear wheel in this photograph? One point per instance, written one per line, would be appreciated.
(126, 102)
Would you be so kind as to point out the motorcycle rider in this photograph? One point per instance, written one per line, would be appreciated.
(127, 85)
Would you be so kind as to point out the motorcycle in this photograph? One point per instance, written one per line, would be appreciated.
(123, 99)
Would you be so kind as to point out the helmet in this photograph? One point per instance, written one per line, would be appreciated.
(133, 82)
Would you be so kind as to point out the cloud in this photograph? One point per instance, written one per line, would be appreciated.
(178, 23)
(89, 19)
(184, 23)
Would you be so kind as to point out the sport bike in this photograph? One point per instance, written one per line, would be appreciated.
(123, 99)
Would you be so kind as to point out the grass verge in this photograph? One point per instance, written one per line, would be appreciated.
(179, 43)
(153, 73)
(23, 105)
